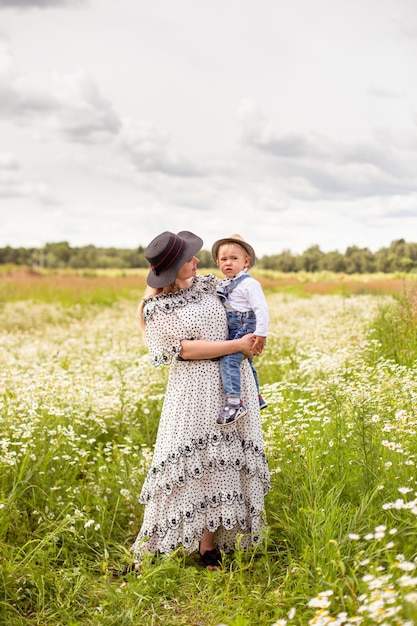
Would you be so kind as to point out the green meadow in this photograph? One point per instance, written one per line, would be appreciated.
(79, 409)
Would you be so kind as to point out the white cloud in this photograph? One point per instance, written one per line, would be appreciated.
(383, 92)
(81, 111)
(14, 185)
(122, 118)
(258, 132)
(149, 149)
(8, 161)
(316, 166)
(71, 104)
(40, 4)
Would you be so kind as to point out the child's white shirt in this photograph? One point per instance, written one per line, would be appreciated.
(248, 296)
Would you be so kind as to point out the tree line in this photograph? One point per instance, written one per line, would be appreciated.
(399, 256)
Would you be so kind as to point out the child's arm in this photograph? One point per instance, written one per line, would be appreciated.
(259, 344)
(257, 300)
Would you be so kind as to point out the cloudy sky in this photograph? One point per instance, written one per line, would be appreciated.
(290, 122)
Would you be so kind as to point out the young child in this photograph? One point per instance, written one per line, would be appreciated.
(247, 312)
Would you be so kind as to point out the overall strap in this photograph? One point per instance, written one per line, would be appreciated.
(224, 290)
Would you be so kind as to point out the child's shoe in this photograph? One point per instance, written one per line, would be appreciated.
(231, 413)
(262, 403)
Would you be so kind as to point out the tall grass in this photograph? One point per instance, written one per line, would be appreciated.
(79, 411)
(396, 328)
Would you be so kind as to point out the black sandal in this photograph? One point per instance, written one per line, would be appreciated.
(211, 559)
(133, 568)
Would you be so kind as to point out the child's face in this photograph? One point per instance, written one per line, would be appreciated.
(232, 259)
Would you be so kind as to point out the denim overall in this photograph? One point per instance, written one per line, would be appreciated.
(240, 324)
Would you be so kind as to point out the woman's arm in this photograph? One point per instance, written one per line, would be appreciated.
(201, 349)
(149, 292)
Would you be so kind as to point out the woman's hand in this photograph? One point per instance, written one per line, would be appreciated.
(245, 345)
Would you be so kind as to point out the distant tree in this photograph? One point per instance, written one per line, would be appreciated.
(135, 258)
(412, 252)
(333, 262)
(16, 256)
(310, 259)
(359, 260)
(399, 256)
(406, 264)
(383, 261)
(57, 255)
(84, 257)
(206, 260)
(405, 253)
(286, 261)
(398, 247)
(7, 255)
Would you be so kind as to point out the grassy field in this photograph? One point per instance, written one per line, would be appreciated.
(79, 412)
(103, 287)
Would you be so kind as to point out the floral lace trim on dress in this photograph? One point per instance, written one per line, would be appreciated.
(227, 514)
(184, 463)
(166, 357)
(229, 510)
(169, 302)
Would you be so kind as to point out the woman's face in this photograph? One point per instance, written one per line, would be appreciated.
(189, 269)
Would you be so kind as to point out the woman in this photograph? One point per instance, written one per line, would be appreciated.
(206, 485)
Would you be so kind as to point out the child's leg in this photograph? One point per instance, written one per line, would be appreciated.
(239, 325)
(262, 401)
(230, 373)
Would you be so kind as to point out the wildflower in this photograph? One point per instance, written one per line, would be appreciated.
(321, 601)
(379, 535)
(354, 536)
(404, 490)
(89, 523)
(380, 529)
(411, 597)
(408, 581)
(406, 566)
(367, 578)
(401, 415)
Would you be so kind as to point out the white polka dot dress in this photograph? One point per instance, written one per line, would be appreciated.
(202, 476)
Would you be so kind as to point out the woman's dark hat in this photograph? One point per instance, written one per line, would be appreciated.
(233, 239)
(167, 253)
